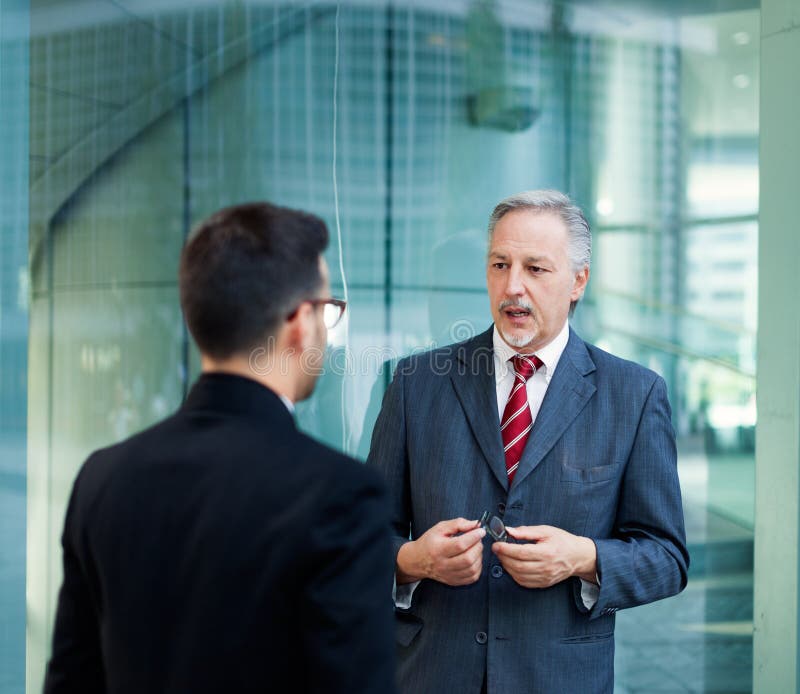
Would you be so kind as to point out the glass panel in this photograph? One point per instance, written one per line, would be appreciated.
(14, 301)
(401, 125)
(690, 313)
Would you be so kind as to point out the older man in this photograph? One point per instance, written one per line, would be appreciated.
(568, 445)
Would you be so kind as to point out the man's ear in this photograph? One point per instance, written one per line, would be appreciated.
(300, 328)
(579, 286)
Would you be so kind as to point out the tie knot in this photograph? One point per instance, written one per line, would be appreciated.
(526, 366)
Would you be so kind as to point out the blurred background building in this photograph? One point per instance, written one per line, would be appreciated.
(125, 122)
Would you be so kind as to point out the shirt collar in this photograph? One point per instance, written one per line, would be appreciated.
(289, 404)
(549, 354)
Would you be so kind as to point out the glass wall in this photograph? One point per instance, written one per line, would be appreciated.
(401, 124)
(14, 297)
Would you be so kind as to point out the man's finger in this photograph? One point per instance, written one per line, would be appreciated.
(530, 533)
(469, 574)
(457, 525)
(512, 551)
(462, 543)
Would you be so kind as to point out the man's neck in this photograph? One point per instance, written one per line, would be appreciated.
(277, 382)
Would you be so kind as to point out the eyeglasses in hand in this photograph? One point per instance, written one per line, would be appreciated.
(494, 527)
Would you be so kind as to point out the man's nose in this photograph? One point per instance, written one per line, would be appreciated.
(515, 286)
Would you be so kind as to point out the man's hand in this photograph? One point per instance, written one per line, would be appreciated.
(555, 556)
(450, 552)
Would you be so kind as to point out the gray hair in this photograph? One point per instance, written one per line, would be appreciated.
(578, 231)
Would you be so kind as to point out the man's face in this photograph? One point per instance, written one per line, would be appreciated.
(314, 355)
(530, 278)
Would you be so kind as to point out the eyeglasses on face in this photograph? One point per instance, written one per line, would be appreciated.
(332, 311)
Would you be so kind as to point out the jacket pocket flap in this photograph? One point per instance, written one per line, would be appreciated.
(407, 627)
(588, 638)
(599, 473)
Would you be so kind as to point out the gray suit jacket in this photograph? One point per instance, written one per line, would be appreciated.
(600, 462)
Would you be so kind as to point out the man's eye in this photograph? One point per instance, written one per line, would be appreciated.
(500, 266)
(535, 269)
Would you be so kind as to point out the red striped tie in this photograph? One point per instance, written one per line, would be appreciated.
(517, 421)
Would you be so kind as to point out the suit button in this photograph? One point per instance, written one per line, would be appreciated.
(501, 508)
(497, 571)
(481, 637)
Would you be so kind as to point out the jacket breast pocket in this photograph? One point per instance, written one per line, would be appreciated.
(589, 475)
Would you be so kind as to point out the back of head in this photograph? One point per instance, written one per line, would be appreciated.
(244, 270)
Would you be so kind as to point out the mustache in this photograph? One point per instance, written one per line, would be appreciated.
(511, 303)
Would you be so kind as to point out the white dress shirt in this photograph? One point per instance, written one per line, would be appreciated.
(536, 388)
(289, 404)
(537, 384)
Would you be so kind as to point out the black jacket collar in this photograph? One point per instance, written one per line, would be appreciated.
(236, 395)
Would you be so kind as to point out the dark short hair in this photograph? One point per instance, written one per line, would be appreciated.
(244, 270)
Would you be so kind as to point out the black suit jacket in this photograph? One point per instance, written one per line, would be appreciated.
(224, 551)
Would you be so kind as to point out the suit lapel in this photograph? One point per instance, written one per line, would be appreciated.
(566, 396)
(473, 380)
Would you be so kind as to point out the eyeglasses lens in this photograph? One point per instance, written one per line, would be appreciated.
(497, 529)
(494, 527)
(331, 315)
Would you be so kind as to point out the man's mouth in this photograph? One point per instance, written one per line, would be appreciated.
(517, 312)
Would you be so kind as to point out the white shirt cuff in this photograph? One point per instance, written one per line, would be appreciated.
(589, 593)
(402, 594)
